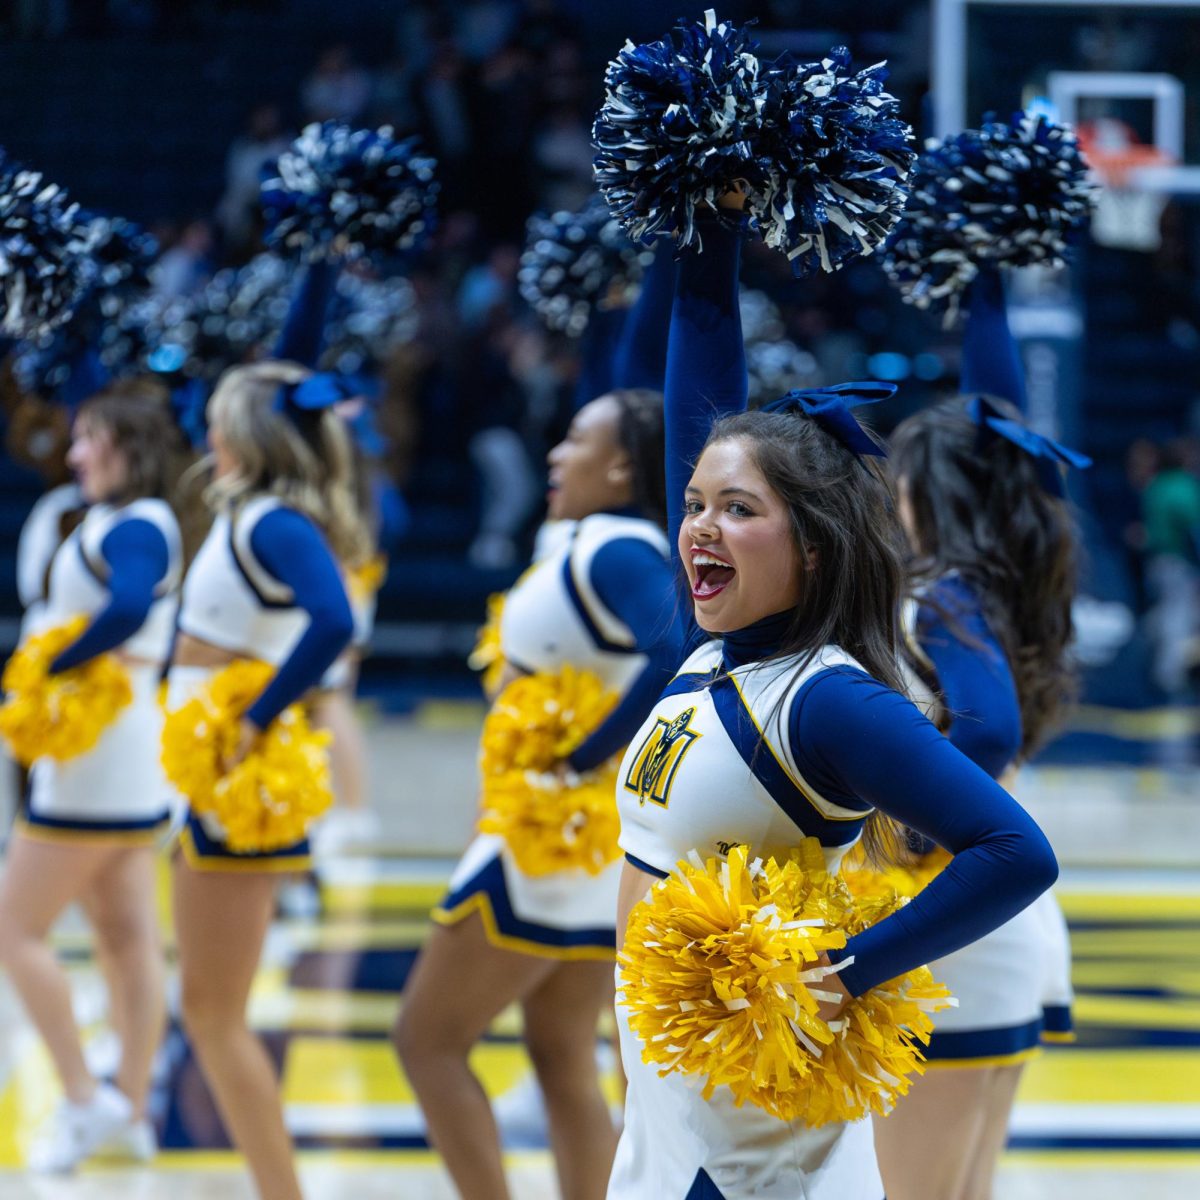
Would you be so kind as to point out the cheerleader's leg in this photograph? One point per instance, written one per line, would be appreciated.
(1000, 1100)
(928, 1143)
(40, 879)
(120, 906)
(221, 921)
(460, 984)
(561, 1019)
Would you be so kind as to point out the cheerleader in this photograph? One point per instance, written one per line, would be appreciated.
(786, 722)
(981, 499)
(601, 600)
(91, 821)
(265, 585)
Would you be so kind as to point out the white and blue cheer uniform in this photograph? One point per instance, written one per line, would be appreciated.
(264, 585)
(602, 600)
(120, 567)
(1013, 985)
(747, 748)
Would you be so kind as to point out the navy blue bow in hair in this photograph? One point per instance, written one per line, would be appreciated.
(830, 408)
(1050, 456)
(314, 394)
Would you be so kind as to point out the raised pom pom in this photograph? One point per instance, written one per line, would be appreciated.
(677, 125)
(235, 317)
(59, 716)
(108, 320)
(577, 261)
(835, 156)
(551, 820)
(1004, 195)
(721, 979)
(369, 319)
(488, 655)
(338, 192)
(43, 243)
(269, 800)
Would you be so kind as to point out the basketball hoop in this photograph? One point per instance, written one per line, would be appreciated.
(1127, 215)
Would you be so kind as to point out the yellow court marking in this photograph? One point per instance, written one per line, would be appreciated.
(384, 896)
(1127, 1012)
(1136, 725)
(1151, 1075)
(346, 1071)
(1129, 906)
(1115, 1161)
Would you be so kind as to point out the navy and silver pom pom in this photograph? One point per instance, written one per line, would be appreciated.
(574, 262)
(235, 318)
(835, 156)
(43, 242)
(368, 320)
(677, 127)
(338, 192)
(1004, 195)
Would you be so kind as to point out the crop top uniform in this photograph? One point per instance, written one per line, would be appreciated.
(264, 585)
(120, 568)
(602, 600)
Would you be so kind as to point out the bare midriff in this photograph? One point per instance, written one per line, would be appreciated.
(192, 652)
(635, 887)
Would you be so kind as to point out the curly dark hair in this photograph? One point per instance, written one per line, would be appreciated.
(978, 509)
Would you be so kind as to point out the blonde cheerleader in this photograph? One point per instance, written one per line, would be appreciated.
(97, 798)
(265, 586)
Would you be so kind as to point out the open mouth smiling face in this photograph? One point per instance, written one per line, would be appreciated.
(736, 541)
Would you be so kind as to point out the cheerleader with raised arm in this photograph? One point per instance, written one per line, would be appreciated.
(265, 588)
(982, 500)
(97, 799)
(782, 741)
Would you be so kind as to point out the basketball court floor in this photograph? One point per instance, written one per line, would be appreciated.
(1115, 1114)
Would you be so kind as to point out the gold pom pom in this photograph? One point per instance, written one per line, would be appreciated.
(869, 884)
(269, 800)
(488, 656)
(551, 819)
(363, 581)
(59, 716)
(720, 976)
(716, 971)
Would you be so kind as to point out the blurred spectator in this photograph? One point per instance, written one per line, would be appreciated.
(442, 102)
(562, 151)
(1171, 504)
(489, 286)
(261, 142)
(392, 100)
(338, 89)
(184, 267)
(482, 27)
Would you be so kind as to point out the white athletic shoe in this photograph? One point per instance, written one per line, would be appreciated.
(77, 1131)
(133, 1142)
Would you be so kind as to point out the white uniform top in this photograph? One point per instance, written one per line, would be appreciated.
(553, 615)
(713, 767)
(39, 542)
(230, 600)
(79, 575)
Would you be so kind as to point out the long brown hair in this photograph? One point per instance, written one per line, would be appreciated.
(843, 523)
(136, 413)
(979, 509)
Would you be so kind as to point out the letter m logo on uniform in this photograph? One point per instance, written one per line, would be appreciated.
(654, 766)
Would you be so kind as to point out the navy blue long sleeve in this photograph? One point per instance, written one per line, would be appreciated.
(641, 355)
(597, 351)
(303, 335)
(291, 548)
(138, 559)
(975, 679)
(991, 359)
(637, 585)
(856, 740)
